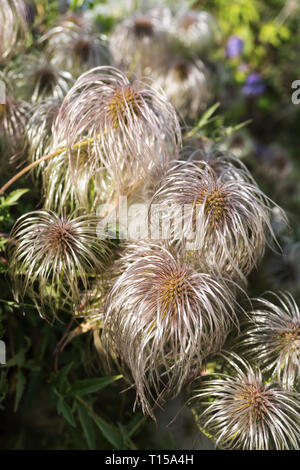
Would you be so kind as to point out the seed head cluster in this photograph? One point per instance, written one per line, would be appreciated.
(118, 120)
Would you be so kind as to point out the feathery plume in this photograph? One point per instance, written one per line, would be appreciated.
(224, 220)
(14, 115)
(50, 256)
(273, 338)
(244, 412)
(162, 317)
(140, 43)
(196, 31)
(39, 129)
(186, 86)
(39, 80)
(74, 46)
(131, 127)
(66, 188)
(14, 27)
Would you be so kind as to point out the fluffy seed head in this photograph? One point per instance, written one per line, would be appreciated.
(39, 130)
(51, 256)
(13, 20)
(69, 187)
(14, 115)
(75, 47)
(186, 86)
(195, 30)
(38, 79)
(131, 127)
(162, 317)
(140, 42)
(273, 338)
(224, 219)
(245, 413)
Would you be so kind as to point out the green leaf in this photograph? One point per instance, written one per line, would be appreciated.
(13, 197)
(204, 120)
(62, 374)
(87, 426)
(21, 382)
(17, 360)
(110, 432)
(126, 437)
(65, 410)
(76, 4)
(83, 387)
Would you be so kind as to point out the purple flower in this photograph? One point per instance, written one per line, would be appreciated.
(234, 47)
(254, 85)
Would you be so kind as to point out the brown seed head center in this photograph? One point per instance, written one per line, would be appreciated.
(215, 201)
(291, 336)
(171, 291)
(188, 21)
(253, 399)
(60, 236)
(82, 49)
(181, 70)
(45, 78)
(143, 27)
(124, 104)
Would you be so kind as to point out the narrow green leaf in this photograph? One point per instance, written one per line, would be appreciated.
(111, 433)
(87, 426)
(65, 410)
(83, 387)
(205, 116)
(13, 197)
(17, 360)
(21, 382)
(127, 443)
(62, 374)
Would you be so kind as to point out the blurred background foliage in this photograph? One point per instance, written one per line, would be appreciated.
(55, 397)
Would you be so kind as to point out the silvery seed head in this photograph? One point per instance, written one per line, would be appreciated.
(272, 339)
(240, 144)
(244, 412)
(162, 317)
(76, 48)
(68, 183)
(131, 127)
(38, 79)
(140, 42)
(196, 31)
(186, 86)
(14, 27)
(14, 115)
(225, 164)
(223, 220)
(51, 256)
(39, 130)
(74, 21)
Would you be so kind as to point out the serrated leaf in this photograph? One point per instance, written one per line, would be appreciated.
(87, 426)
(83, 387)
